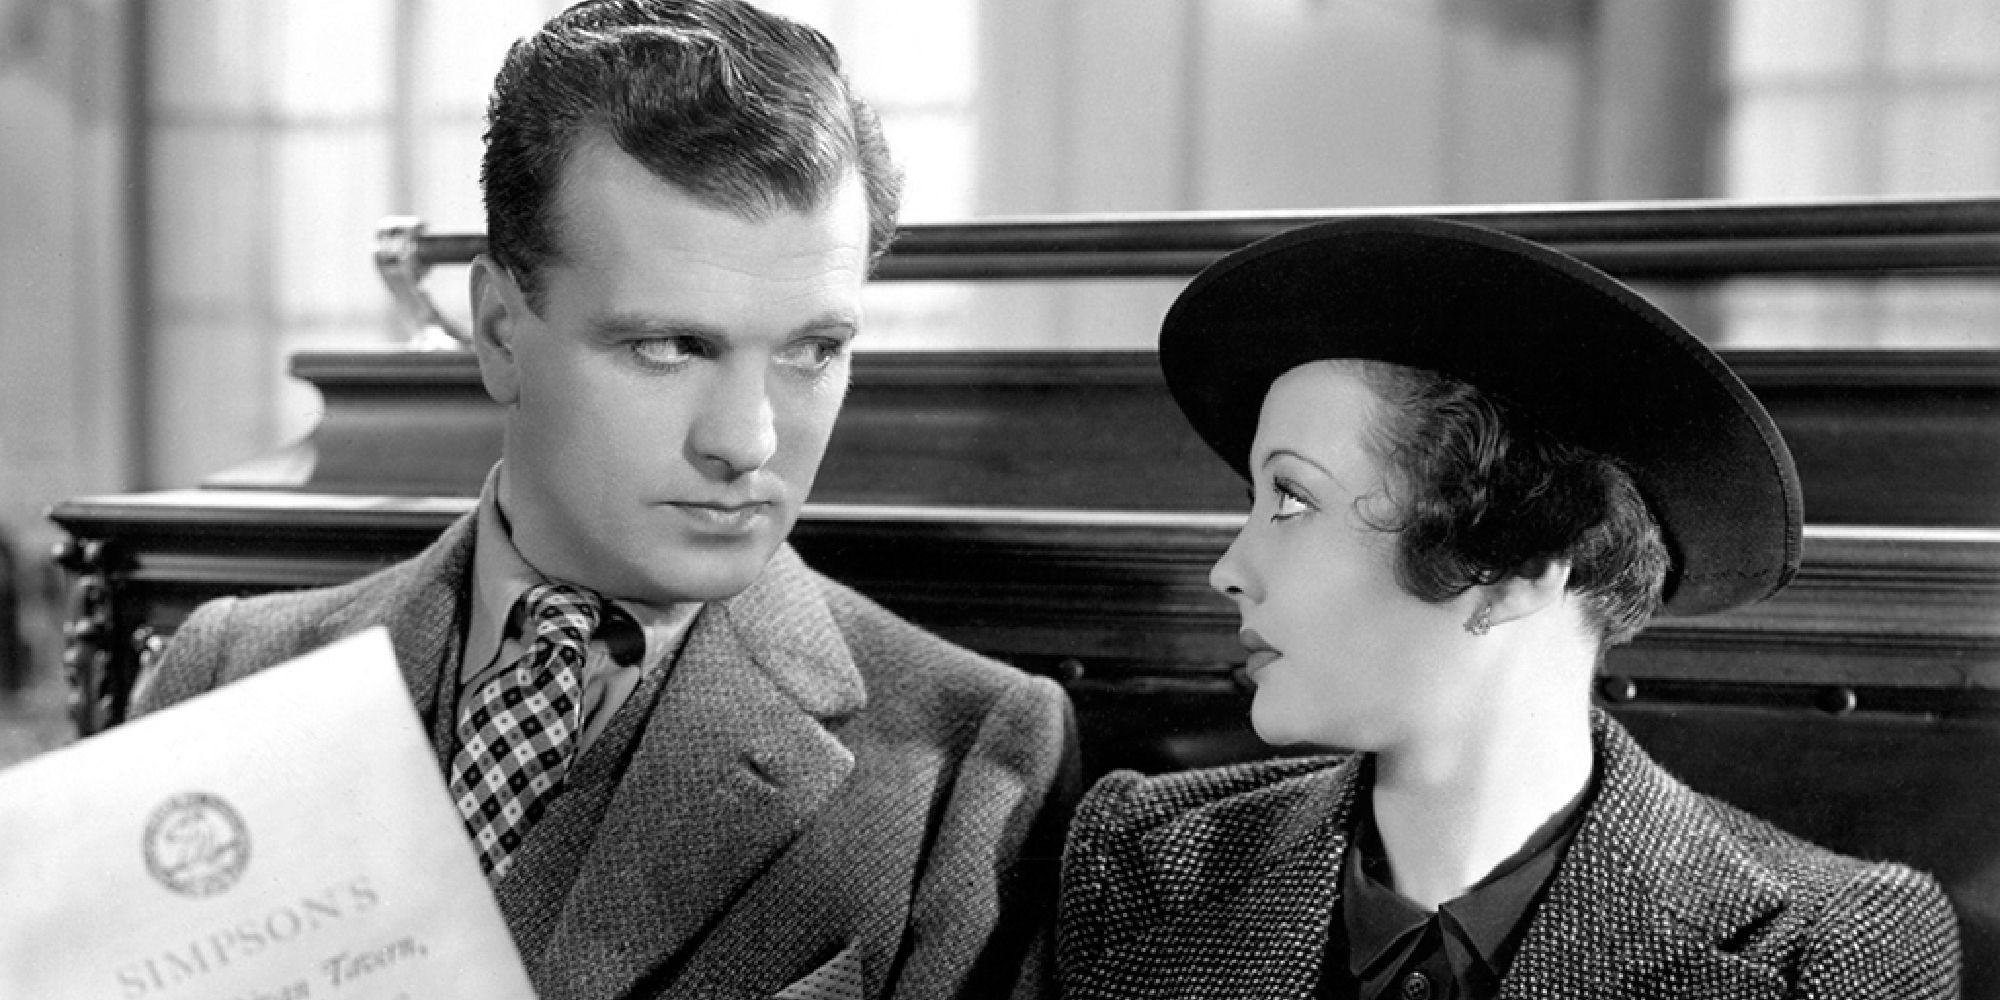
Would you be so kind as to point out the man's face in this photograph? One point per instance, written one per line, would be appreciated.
(669, 405)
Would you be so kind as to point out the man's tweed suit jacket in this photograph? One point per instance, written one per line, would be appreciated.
(819, 788)
(1223, 883)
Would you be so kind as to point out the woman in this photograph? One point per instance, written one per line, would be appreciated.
(1475, 465)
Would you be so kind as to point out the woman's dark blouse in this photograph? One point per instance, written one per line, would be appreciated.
(1382, 946)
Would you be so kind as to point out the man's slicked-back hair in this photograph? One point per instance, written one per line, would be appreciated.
(741, 108)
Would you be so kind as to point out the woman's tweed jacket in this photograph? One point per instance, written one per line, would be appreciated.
(1222, 883)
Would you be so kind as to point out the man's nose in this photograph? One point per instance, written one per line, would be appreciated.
(736, 431)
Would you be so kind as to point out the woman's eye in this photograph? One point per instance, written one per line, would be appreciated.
(1289, 503)
(666, 352)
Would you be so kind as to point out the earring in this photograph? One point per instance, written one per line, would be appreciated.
(1481, 621)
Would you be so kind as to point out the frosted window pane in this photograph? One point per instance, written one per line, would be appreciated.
(447, 177)
(1943, 142)
(196, 429)
(911, 51)
(207, 55)
(936, 154)
(1951, 35)
(207, 223)
(1791, 37)
(1784, 146)
(321, 243)
(460, 44)
(332, 59)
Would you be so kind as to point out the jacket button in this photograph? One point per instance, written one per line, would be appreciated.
(1416, 986)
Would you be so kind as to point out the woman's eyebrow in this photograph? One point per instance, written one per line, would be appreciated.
(1339, 481)
(1277, 453)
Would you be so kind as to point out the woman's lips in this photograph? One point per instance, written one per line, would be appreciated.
(1261, 653)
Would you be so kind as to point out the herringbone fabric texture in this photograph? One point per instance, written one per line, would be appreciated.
(517, 733)
(814, 773)
(1222, 884)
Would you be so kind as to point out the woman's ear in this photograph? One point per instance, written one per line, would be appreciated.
(498, 313)
(1533, 586)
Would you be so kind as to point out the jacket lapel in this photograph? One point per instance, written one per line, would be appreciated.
(421, 607)
(734, 763)
(1653, 899)
(1256, 919)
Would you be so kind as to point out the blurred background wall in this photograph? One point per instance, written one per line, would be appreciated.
(188, 188)
(68, 310)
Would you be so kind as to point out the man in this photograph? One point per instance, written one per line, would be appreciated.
(740, 778)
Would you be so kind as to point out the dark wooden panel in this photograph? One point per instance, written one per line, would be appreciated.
(396, 423)
(1887, 437)
(1085, 430)
(1910, 438)
(1879, 618)
(1881, 437)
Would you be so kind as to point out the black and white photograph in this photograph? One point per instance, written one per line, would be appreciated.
(1017, 499)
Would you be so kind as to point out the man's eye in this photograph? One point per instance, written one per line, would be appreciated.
(666, 352)
(814, 354)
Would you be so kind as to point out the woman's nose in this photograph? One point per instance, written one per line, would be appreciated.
(1228, 575)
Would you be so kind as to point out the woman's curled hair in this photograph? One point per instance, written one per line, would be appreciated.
(1481, 491)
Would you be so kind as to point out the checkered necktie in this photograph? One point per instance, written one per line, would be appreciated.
(516, 734)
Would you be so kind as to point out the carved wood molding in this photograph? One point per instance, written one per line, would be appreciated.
(98, 661)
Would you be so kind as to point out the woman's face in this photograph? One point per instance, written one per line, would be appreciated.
(1341, 655)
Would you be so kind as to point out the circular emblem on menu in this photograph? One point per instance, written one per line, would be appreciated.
(196, 845)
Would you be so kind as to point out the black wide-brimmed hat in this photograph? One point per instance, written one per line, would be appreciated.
(1554, 337)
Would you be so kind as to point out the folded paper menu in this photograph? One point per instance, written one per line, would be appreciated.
(283, 837)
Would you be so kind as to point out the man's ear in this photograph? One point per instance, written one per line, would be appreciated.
(499, 312)
(1533, 586)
